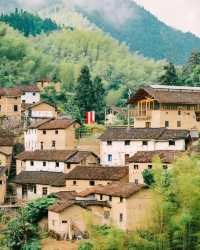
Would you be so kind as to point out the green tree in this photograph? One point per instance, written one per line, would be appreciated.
(99, 99)
(85, 92)
(170, 76)
(148, 177)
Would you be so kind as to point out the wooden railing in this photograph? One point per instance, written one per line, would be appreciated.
(140, 114)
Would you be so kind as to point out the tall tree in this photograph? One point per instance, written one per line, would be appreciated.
(85, 92)
(170, 76)
(99, 102)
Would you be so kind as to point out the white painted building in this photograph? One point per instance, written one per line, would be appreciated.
(30, 94)
(118, 144)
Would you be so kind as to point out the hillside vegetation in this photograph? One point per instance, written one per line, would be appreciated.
(28, 23)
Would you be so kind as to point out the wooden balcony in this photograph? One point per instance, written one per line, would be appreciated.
(140, 114)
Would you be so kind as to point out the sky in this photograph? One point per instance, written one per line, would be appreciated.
(180, 14)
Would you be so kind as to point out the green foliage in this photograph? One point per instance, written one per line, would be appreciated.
(119, 69)
(90, 94)
(170, 76)
(28, 23)
(148, 177)
(20, 62)
(22, 232)
(85, 246)
(37, 209)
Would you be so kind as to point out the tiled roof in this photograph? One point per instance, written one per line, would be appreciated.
(10, 92)
(118, 189)
(41, 177)
(28, 88)
(166, 156)
(97, 173)
(69, 156)
(57, 124)
(124, 133)
(168, 95)
(79, 156)
(67, 199)
(38, 123)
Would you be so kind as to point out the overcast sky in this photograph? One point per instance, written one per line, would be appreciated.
(181, 14)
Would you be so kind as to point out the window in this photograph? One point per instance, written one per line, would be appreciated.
(110, 198)
(41, 145)
(127, 143)
(165, 167)
(23, 101)
(64, 221)
(136, 167)
(121, 199)
(149, 166)
(126, 159)
(34, 94)
(1, 182)
(68, 165)
(109, 157)
(92, 183)
(136, 181)
(171, 143)
(74, 183)
(166, 124)
(15, 108)
(101, 197)
(53, 144)
(147, 124)
(106, 214)
(120, 217)
(178, 124)
(44, 191)
(44, 163)
(109, 143)
(56, 132)
(34, 189)
(144, 143)
(44, 132)
(57, 164)
(32, 163)
(179, 112)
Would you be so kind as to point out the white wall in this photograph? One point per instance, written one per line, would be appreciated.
(42, 114)
(30, 97)
(50, 166)
(30, 140)
(118, 149)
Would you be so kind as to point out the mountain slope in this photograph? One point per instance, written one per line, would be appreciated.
(144, 33)
(123, 20)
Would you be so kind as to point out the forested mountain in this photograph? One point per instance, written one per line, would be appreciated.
(143, 32)
(61, 55)
(28, 23)
(123, 20)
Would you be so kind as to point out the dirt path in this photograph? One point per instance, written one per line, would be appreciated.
(51, 244)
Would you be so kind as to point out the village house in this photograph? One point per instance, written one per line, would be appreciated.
(52, 134)
(118, 144)
(38, 111)
(44, 84)
(30, 94)
(173, 107)
(143, 160)
(3, 183)
(83, 177)
(36, 184)
(124, 205)
(54, 160)
(10, 104)
(6, 148)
